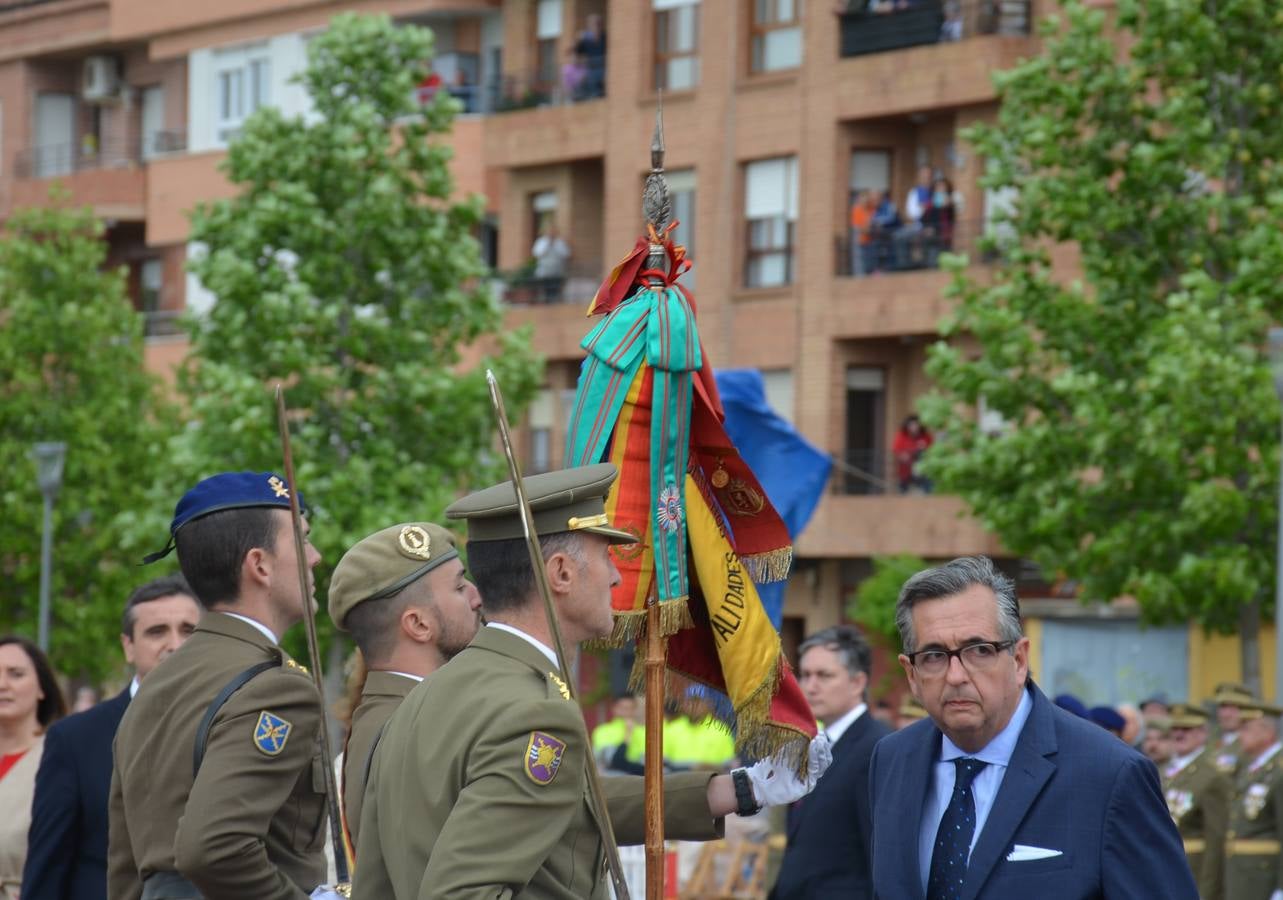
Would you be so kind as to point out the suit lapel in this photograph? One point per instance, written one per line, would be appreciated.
(1027, 774)
(917, 776)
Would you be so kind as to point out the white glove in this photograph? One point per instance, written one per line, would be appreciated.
(325, 892)
(1277, 895)
(774, 781)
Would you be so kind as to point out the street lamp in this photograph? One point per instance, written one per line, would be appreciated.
(1276, 369)
(49, 456)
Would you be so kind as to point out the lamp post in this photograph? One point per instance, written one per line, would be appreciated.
(1276, 369)
(49, 456)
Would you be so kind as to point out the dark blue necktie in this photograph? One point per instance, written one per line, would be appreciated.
(953, 837)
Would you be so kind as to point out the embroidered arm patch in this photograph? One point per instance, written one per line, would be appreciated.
(271, 733)
(543, 757)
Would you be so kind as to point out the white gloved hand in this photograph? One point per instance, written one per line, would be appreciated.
(325, 892)
(774, 781)
(1277, 895)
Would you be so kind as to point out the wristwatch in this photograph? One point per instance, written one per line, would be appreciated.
(746, 804)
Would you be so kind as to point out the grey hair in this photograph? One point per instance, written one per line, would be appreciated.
(847, 642)
(952, 578)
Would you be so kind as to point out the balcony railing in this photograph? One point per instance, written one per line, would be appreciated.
(57, 160)
(162, 322)
(531, 90)
(523, 288)
(862, 472)
(876, 26)
(908, 248)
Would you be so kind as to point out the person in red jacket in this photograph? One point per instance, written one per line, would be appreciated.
(910, 442)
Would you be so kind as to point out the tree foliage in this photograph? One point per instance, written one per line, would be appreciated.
(71, 370)
(1142, 446)
(345, 270)
(873, 606)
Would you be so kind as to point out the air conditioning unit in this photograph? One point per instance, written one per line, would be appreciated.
(100, 79)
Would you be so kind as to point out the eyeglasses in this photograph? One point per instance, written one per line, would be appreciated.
(975, 657)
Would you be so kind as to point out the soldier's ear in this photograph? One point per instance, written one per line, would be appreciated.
(561, 570)
(418, 625)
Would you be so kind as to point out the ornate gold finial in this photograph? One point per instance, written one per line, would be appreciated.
(657, 208)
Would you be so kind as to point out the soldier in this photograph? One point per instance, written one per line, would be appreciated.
(1198, 797)
(403, 595)
(1229, 697)
(1254, 864)
(217, 788)
(1157, 744)
(478, 784)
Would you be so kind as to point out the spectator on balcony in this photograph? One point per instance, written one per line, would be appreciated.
(939, 220)
(592, 46)
(863, 237)
(910, 442)
(886, 223)
(908, 240)
(574, 74)
(551, 254)
(428, 88)
(951, 28)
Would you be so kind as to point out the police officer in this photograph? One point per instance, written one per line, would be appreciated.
(217, 787)
(1198, 797)
(1229, 698)
(403, 595)
(1254, 863)
(478, 784)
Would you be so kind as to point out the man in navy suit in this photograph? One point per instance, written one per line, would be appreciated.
(829, 831)
(999, 793)
(67, 841)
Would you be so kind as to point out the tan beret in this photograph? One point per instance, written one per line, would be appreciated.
(382, 564)
(1186, 715)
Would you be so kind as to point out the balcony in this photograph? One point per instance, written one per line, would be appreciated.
(928, 525)
(523, 288)
(109, 177)
(542, 122)
(878, 26)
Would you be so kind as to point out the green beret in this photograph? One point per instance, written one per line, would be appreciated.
(385, 562)
(1186, 715)
(561, 500)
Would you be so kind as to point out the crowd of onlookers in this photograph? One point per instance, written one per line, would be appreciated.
(883, 238)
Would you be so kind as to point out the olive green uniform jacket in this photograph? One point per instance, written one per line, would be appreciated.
(1198, 797)
(1226, 754)
(381, 695)
(479, 788)
(1254, 865)
(252, 822)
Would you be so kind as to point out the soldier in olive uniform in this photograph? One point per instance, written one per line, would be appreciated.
(1254, 862)
(217, 787)
(1229, 698)
(478, 787)
(403, 595)
(1198, 797)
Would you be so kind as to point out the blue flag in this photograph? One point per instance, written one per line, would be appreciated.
(792, 471)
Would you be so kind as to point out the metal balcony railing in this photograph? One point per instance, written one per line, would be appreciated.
(57, 160)
(906, 248)
(162, 322)
(522, 288)
(862, 472)
(877, 26)
(531, 90)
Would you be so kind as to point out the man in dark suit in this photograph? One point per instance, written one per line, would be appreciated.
(67, 841)
(830, 831)
(1000, 793)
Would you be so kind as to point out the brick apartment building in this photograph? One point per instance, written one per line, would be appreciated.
(776, 113)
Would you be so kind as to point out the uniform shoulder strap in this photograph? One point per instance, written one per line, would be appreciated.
(207, 721)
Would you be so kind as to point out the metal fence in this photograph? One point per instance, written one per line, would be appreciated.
(54, 160)
(906, 248)
(522, 288)
(876, 26)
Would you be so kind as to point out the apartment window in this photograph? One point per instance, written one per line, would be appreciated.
(777, 384)
(153, 122)
(770, 206)
(243, 84)
(776, 35)
(150, 284)
(681, 191)
(542, 421)
(676, 45)
(543, 212)
(547, 36)
(865, 459)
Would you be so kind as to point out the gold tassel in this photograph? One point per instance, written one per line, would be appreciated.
(773, 565)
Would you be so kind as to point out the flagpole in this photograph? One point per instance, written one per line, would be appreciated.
(657, 210)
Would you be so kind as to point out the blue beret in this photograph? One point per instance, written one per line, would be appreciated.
(227, 490)
(1071, 704)
(1107, 718)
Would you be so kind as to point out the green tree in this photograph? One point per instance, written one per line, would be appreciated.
(344, 270)
(873, 606)
(1142, 447)
(71, 369)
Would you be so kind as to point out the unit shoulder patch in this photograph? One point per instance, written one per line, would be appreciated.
(543, 757)
(270, 733)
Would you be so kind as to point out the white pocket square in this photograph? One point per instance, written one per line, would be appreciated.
(1024, 853)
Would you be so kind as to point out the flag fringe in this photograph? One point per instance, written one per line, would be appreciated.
(630, 625)
(774, 565)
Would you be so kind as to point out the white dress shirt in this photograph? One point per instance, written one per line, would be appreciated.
(838, 728)
(534, 642)
(133, 687)
(267, 632)
(997, 754)
(404, 675)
